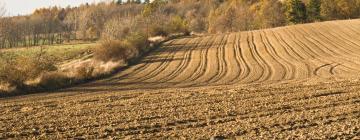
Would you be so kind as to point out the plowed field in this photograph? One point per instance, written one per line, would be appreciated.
(289, 82)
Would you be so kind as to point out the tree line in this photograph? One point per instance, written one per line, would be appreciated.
(118, 19)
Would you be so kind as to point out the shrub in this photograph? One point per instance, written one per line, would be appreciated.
(54, 80)
(157, 30)
(16, 71)
(178, 25)
(114, 50)
(84, 72)
(138, 40)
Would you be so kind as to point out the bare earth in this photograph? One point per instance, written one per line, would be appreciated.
(290, 82)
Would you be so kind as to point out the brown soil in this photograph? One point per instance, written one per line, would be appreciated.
(290, 82)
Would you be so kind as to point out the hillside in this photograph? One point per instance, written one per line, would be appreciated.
(293, 53)
(297, 82)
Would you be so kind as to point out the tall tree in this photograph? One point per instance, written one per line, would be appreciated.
(2, 10)
(314, 9)
(296, 11)
(119, 2)
(270, 14)
(138, 1)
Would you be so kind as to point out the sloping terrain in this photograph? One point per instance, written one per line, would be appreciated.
(289, 82)
(293, 53)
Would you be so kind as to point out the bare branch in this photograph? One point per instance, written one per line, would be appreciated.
(2, 9)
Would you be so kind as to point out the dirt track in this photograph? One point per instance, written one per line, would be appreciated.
(289, 82)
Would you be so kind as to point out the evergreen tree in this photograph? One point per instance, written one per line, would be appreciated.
(296, 12)
(119, 2)
(314, 9)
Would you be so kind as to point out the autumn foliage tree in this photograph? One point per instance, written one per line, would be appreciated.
(91, 22)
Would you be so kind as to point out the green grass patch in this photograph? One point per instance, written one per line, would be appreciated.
(59, 53)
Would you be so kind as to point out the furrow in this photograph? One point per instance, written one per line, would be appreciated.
(280, 66)
(177, 65)
(222, 64)
(232, 68)
(200, 72)
(256, 68)
(215, 66)
(134, 70)
(332, 52)
(243, 68)
(260, 53)
(297, 67)
(178, 77)
(315, 53)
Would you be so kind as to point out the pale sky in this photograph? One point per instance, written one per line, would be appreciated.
(24, 7)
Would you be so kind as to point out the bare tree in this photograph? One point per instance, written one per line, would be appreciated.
(2, 10)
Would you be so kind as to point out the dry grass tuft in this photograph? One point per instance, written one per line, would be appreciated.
(114, 50)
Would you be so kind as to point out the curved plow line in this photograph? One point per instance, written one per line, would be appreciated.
(133, 70)
(185, 65)
(180, 66)
(187, 56)
(256, 70)
(231, 69)
(202, 63)
(344, 37)
(351, 27)
(334, 54)
(352, 35)
(320, 67)
(241, 53)
(332, 69)
(220, 67)
(210, 60)
(298, 43)
(350, 60)
(156, 69)
(284, 54)
(200, 71)
(339, 38)
(287, 47)
(270, 70)
(332, 42)
(144, 67)
(243, 68)
(221, 59)
(243, 46)
(305, 48)
(281, 39)
(269, 49)
(330, 50)
(321, 61)
(289, 67)
(320, 43)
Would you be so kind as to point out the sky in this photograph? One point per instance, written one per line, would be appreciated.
(24, 7)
